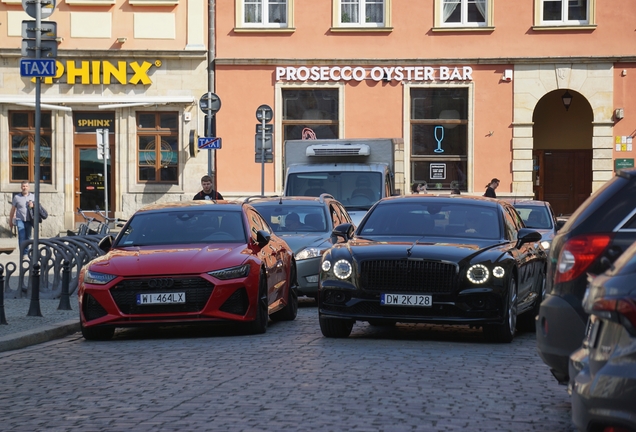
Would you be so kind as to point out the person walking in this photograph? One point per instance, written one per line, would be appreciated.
(490, 188)
(207, 193)
(20, 216)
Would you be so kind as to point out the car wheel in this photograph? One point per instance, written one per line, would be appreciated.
(97, 333)
(259, 325)
(527, 322)
(505, 332)
(289, 312)
(335, 328)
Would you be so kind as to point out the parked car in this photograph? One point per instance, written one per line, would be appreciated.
(539, 216)
(187, 263)
(305, 223)
(597, 233)
(603, 371)
(434, 259)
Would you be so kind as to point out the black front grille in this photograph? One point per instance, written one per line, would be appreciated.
(197, 292)
(237, 303)
(91, 308)
(404, 275)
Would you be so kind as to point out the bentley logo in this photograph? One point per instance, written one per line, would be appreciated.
(161, 283)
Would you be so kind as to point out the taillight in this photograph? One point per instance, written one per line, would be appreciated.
(621, 309)
(577, 255)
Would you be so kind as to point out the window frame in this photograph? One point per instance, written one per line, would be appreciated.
(159, 133)
(240, 23)
(539, 22)
(338, 24)
(304, 122)
(29, 133)
(488, 24)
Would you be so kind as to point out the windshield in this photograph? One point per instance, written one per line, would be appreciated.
(427, 219)
(294, 218)
(536, 217)
(178, 227)
(352, 189)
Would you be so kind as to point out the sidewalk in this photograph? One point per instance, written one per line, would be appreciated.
(22, 330)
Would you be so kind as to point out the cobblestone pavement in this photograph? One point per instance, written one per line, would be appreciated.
(407, 378)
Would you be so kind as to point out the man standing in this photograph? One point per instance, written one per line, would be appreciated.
(490, 188)
(20, 215)
(207, 193)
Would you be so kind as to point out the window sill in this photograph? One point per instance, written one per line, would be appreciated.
(463, 29)
(361, 29)
(153, 2)
(90, 2)
(264, 29)
(584, 27)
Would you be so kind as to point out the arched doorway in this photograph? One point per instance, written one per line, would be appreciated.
(562, 150)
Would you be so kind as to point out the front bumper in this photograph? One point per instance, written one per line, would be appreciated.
(308, 272)
(560, 331)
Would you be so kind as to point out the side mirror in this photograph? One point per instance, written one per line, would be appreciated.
(262, 238)
(343, 231)
(528, 235)
(106, 243)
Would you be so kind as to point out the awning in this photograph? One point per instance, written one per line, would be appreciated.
(102, 102)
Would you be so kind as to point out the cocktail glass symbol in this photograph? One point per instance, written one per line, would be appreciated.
(439, 136)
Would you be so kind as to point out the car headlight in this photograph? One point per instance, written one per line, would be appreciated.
(95, 278)
(545, 244)
(478, 274)
(342, 269)
(231, 273)
(310, 252)
(326, 265)
(498, 272)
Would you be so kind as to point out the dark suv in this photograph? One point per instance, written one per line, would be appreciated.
(593, 237)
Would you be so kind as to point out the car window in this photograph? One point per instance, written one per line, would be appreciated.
(256, 223)
(511, 224)
(291, 218)
(537, 217)
(183, 226)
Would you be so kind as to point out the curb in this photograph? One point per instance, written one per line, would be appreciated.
(39, 335)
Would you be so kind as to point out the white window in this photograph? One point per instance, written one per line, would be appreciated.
(565, 12)
(265, 13)
(365, 13)
(464, 13)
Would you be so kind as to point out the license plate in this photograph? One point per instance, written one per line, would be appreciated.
(406, 300)
(161, 298)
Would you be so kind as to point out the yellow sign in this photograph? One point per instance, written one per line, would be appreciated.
(102, 72)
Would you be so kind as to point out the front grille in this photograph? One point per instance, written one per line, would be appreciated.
(404, 275)
(197, 293)
(237, 304)
(91, 308)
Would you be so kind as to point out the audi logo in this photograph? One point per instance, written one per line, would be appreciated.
(161, 283)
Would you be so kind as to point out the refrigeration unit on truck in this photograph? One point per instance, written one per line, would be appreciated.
(357, 172)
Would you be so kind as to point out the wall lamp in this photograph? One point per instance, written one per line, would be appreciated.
(567, 100)
(121, 40)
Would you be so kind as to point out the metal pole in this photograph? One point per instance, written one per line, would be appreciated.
(211, 57)
(208, 132)
(263, 153)
(3, 318)
(34, 307)
(106, 154)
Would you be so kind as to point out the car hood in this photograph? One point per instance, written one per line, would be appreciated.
(364, 249)
(298, 242)
(158, 260)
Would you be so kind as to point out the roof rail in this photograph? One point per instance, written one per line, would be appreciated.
(254, 197)
(325, 195)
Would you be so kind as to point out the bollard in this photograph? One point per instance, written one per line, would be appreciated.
(34, 307)
(65, 303)
(3, 317)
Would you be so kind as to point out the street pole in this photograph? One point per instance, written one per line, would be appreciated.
(106, 154)
(263, 123)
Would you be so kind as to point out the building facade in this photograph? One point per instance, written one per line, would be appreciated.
(132, 69)
(533, 92)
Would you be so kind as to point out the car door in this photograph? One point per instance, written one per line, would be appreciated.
(525, 255)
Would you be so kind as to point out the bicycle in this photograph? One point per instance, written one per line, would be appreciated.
(85, 227)
(104, 227)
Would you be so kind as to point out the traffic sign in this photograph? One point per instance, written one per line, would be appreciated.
(46, 6)
(259, 141)
(209, 143)
(269, 128)
(264, 112)
(210, 102)
(48, 48)
(37, 67)
(269, 157)
(48, 30)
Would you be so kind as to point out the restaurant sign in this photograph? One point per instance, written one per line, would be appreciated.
(102, 72)
(376, 73)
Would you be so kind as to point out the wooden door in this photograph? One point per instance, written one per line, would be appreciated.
(565, 178)
(89, 186)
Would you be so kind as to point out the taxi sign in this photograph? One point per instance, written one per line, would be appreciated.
(37, 67)
(209, 143)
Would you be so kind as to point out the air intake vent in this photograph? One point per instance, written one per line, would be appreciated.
(338, 150)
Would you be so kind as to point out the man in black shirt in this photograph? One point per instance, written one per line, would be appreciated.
(207, 193)
(490, 188)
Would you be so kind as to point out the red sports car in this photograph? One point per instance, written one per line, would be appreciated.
(186, 263)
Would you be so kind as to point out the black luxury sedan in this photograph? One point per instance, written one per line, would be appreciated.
(597, 233)
(434, 259)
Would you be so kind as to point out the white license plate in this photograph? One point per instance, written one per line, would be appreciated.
(406, 300)
(161, 298)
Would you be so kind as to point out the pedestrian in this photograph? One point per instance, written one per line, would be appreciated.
(422, 187)
(490, 188)
(207, 193)
(415, 188)
(20, 216)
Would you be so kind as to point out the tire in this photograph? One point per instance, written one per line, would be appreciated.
(527, 321)
(97, 333)
(259, 325)
(335, 328)
(505, 332)
(289, 312)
